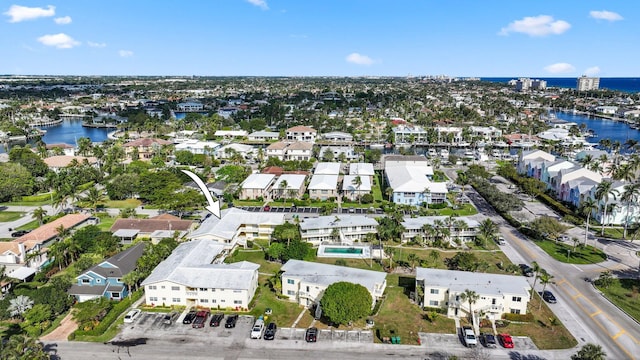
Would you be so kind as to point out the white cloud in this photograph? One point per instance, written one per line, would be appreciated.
(96, 45)
(259, 3)
(63, 20)
(605, 15)
(541, 25)
(19, 13)
(61, 41)
(359, 59)
(560, 68)
(592, 71)
(125, 53)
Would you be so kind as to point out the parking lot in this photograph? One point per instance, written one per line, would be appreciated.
(311, 210)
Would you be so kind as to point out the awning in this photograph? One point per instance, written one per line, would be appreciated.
(22, 273)
(126, 233)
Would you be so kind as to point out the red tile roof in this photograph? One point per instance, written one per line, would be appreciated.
(48, 231)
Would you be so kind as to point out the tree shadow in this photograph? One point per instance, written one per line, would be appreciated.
(514, 355)
(408, 284)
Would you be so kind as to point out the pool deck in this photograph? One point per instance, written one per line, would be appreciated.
(343, 251)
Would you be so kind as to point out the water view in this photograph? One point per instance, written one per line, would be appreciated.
(68, 132)
(604, 128)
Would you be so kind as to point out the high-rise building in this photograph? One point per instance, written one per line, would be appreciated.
(525, 84)
(588, 83)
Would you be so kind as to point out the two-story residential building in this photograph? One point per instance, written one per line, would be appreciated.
(144, 148)
(105, 279)
(197, 146)
(190, 106)
(350, 228)
(498, 294)
(236, 226)
(301, 133)
(256, 186)
(345, 152)
(460, 228)
(410, 181)
(528, 157)
(231, 133)
(354, 186)
(362, 169)
(284, 151)
(323, 187)
(128, 229)
(338, 136)
(304, 282)
(289, 186)
(487, 133)
(227, 152)
(263, 136)
(192, 276)
(56, 163)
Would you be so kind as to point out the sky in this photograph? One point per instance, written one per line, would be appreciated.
(462, 38)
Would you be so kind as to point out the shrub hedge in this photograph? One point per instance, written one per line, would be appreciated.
(110, 318)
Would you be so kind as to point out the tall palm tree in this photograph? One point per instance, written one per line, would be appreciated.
(603, 191)
(487, 229)
(587, 207)
(357, 182)
(93, 198)
(39, 214)
(471, 297)
(629, 197)
(535, 267)
(545, 279)
(389, 192)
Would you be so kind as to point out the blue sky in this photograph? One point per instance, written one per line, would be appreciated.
(541, 38)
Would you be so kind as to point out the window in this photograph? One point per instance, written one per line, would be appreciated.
(237, 302)
(119, 280)
(223, 300)
(291, 281)
(153, 287)
(203, 289)
(237, 291)
(291, 292)
(175, 288)
(86, 281)
(515, 311)
(204, 301)
(153, 299)
(434, 303)
(435, 291)
(115, 295)
(175, 300)
(162, 287)
(98, 280)
(516, 299)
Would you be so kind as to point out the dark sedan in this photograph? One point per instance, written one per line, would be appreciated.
(191, 315)
(270, 332)
(231, 321)
(549, 297)
(216, 319)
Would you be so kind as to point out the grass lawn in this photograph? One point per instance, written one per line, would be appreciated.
(464, 210)
(106, 221)
(625, 294)
(492, 258)
(541, 331)
(248, 202)
(27, 203)
(354, 263)
(284, 312)
(122, 204)
(29, 226)
(561, 251)
(376, 189)
(7, 216)
(397, 313)
(255, 256)
(614, 233)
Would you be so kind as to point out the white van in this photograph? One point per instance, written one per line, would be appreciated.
(131, 315)
(258, 329)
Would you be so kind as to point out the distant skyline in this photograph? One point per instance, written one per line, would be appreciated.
(500, 38)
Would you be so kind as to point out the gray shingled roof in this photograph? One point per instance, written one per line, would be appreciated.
(122, 263)
(481, 283)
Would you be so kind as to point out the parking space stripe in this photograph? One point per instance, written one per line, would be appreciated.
(596, 313)
(621, 332)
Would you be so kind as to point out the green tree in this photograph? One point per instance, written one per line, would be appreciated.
(590, 352)
(276, 251)
(587, 207)
(471, 297)
(628, 198)
(38, 317)
(603, 191)
(15, 181)
(123, 186)
(605, 279)
(297, 249)
(344, 302)
(464, 261)
(39, 214)
(30, 160)
(23, 347)
(19, 305)
(93, 198)
(488, 229)
(545, 279)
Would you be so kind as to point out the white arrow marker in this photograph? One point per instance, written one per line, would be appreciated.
(214, 206)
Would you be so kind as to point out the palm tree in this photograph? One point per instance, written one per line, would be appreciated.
(587, 207)
(586, 161)
(84, 146)
(471, 297)
(357, 182)
(545, 279)
(19, 305)
(487, 229)
(463, 180)
(93, 198)
(603, 191)
(625, 172)
(389, 192)
(629, 197)
(283, 186)
(24, 347)
(39, 214)
(590, 352)
(412, 260)
(535, 267)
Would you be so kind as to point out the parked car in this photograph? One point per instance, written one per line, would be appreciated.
(231, 321)
(191, 315)
(526, 270)
(311, 335)
(488, 340)
(201, 319)
(168, 319)
(506, 341)
(549, 297)
(266, 208)
(131, 315)
(257, 329)
(469, 336)
(501, 241)
(270, 331)
(19, 233)
(216, 319)
(564, 238)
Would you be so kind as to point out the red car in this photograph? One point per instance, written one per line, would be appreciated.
(506, 340)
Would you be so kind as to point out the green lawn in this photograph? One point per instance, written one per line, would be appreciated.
(492, 258)
(464, 210)
(8, 216)
(625, 294)
(283, 312)
(255, 256)
(122, 204)
(565, 252)
(106, 221)
(29, 226)
(354, 263)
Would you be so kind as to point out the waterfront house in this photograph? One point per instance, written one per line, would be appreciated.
(256, 186)
(339, 151)
(194, 276)
(230, 133)
(344, 229)
(190, 106)
(105, 279)
(146, 148)
(226, 152)
(498, 294)
(362, 169)
(338, 136)
(55, 163)
(409, 177)
(304, 282)
(197, 146)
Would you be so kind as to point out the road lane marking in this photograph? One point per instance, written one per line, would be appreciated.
(596, 313)
(576, 267)
(621, 332)
(561, 282)
(575, 297)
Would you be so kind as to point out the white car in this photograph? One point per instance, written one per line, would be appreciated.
(258, 329)
(501, 241)
(131, 315)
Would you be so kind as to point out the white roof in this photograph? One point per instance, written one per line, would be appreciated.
(361, 169)
(230, 133)
(294, 181)
(231, 219)
(481, 283)
(241, 148)
(21, 273)
(258, 181)
(323, 182)
(336, 221)
(347, 183)
(263, 133)
(325, 275)
(126, 232)
(196, 144)
(327, 168)
(190, 264)
(418, 222)
(413, 179)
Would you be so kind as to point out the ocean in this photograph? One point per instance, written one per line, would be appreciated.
(629, 85)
